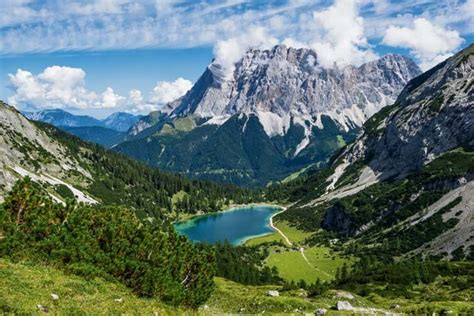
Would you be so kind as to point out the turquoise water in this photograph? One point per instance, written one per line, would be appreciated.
(236, 225)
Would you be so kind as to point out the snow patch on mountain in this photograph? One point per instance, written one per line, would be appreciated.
(217, 120)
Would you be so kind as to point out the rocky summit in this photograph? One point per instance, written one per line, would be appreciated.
(279, 112)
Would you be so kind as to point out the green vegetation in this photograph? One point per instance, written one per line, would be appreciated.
(151, 193)
(371, 127)
(107, 242)
(64, 191)
(390, 201)
(270, 238)
(25, 285)
(317, 263)
(231, 153)
(106, 137)
(244, 265)
(292, 266)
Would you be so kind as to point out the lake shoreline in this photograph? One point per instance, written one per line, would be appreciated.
(230, 208)
(274, 209)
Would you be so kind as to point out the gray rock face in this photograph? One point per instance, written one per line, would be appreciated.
(284, 84)
(44, 159)
(344, 306)
(434, 114)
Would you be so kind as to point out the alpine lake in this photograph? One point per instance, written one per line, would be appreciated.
(235, 225)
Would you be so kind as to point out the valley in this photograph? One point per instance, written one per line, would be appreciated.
(285, 186)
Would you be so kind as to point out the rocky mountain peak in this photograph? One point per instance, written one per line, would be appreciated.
(283, 85)
(432, 115)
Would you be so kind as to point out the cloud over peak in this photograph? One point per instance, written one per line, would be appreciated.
(429, 43)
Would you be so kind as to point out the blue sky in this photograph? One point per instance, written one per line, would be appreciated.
(100, 56)
(121, 69)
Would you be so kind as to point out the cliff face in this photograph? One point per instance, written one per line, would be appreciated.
(285, 84)
(433, 114)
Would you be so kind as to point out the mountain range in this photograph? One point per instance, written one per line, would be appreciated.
(119, 121)
(278, 113)
(107, 132)
(405, 186)
(395, 203)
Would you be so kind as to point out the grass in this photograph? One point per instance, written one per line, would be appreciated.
(326, 261)
(273, 237)
(293, 234)
(24, 286)
(292, 266)
(321, 263)
(231, 297)
(296, 174)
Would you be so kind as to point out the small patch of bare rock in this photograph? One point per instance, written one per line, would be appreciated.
(118, 300)
(320, 312)
(344, 294)
(42, 308)
(273, 293)
(54, 297)
(394, 306)
(344, 306)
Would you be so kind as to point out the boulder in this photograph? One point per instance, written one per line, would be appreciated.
(54, 297)
(42, 308)
(320, 312)
(273, 293)
(394, 306)
(118, 300)
(344, 306)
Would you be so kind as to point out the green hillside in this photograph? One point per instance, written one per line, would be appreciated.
(239, 151)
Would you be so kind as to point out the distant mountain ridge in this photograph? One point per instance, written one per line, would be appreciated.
(280, 112)
(119, 121)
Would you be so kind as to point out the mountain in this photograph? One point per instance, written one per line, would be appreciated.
(121, 121)
(69, 167)
(278, 113)
(405, 187)
(106, 137)
(58, 117)
(107, 132)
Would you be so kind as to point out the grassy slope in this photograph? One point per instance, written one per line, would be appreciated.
(322, 262)
(24, 286)
(292, 233)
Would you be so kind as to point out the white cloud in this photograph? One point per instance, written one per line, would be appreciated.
(429, 43)
(229, 51)
(110, 99)
(339, 32)
(166, 91)
(336, 33)
(64, 87)
(343, 41)
(55, 87)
